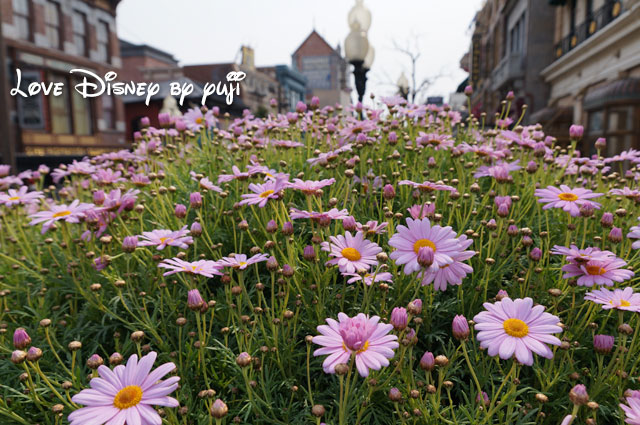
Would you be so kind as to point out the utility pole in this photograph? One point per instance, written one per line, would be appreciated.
(6, 139)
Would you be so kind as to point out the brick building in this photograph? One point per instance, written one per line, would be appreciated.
(325, 69)
(45, 39)
(595, 77)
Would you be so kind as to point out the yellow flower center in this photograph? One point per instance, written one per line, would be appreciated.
(624, 303)
(199, 120)
(595, 270)
(266, 193)
(163, 240)
(434, 142)
(128, 397)
(420, 243)
(351, 254)
(61, 214)
(426, 188)
(568, 196)
(14, 198)
(242, 264)
(516, 327)
(364, 348)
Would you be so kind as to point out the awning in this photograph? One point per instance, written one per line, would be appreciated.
(551, 114)
(627, 89)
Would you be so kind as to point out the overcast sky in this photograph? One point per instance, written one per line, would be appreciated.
(210, 31)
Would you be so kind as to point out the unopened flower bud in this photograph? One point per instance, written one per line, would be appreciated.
(427, 362)
(287, 228)
(272, 226)
(18, 356)
(460, 327)
(21, 339)
(180, 211)
(426, 256)
(194, 300)
(415, 307)
(606, 220)
(195, 200)
(219, 409)
(94, 362)
(578, 395)
(129, 243)
(395, 395)
(388, 192)
(349, 224)
(603, 344)
(244, 359)
(615, 235)
(535, 254)
(399, 318)
(309, 253)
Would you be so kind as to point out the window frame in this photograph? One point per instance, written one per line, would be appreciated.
(78, 14)
(59, 29)
(107, 41)
(28, 17)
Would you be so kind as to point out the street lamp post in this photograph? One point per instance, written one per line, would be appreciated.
(357, 49)
(403, 86)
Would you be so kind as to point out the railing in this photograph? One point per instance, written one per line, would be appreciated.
(598, 20)
(509, 68)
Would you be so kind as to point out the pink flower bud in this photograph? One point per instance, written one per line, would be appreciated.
(399, 318)
(535, 254)
(129, 243)
(349, 224)
(606, 220)
(576, 132)
(468, 90)
(427, 362)
(21, 339)
(98, 197)
(601, 143)
(301, 107)
(426, 255)
(195, 200)
(460, 327)
(309, 253)
(180, 211)
(615, 235)
(388, 192)
(194, 300)
(287, 228)
(196, 229)
(603, 344)
(145, 122)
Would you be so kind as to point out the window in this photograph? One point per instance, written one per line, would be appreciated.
(80, 32)
(81, 109)
(516, 35)
(108, 112)
(59, 107)
(31, 109)
(102, 37)
(21, 18)
(52, 24)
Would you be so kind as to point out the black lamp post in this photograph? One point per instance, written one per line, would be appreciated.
(357, 49)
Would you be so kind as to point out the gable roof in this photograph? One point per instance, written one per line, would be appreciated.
(314, 35)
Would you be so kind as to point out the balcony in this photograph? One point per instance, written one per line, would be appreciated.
(510, 68)
(598, 20)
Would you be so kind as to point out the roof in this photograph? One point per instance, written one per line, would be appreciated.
(314, 35)
(128, 49)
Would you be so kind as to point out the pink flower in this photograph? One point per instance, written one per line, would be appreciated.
(373, 228)
(600, 272)
(351, 253)
(162, 237)
(20, 196)
(450, 274)
(309, 187)
(621, 299)
(240, 261)
(435, 140)
(634, 234)
(360, 336)
(332, 214)
(427, 186)
(206, 268)
(570, 200)
(576, 255)
(237, 174)
(126, 394)
(71, 214)
(417, 234)
(632, 411)
(369, 278)
(205, 183)
(262, 193)
(500, 171)
(195, 119)
(511, 327)
(422, 211)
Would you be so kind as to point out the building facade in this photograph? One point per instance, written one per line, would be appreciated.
(292, 86)
(45, 39)
(325, 69)
(595, 77)
(510, 45)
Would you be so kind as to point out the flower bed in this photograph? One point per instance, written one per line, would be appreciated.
(315, 267)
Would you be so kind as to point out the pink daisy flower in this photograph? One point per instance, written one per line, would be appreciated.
(511, 327)
(621, 299)
(417, 234)
(362, 337)
(240, 261)
(237, 174)
(205, 183)
(632, 411)
(435, 140)
(309, 187)
(427, 186)
(206, 268)
(369, 278)
(126, 394)
(373, 228)
(576, 255)
(450, 274)
(71, 213)
(570, 200)
(500, 171)
(162, 238)
(600, 272)
(635, 234)
(422, 211)
(351, 253)
(20, 196)
(262, 193)
(332, 214)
